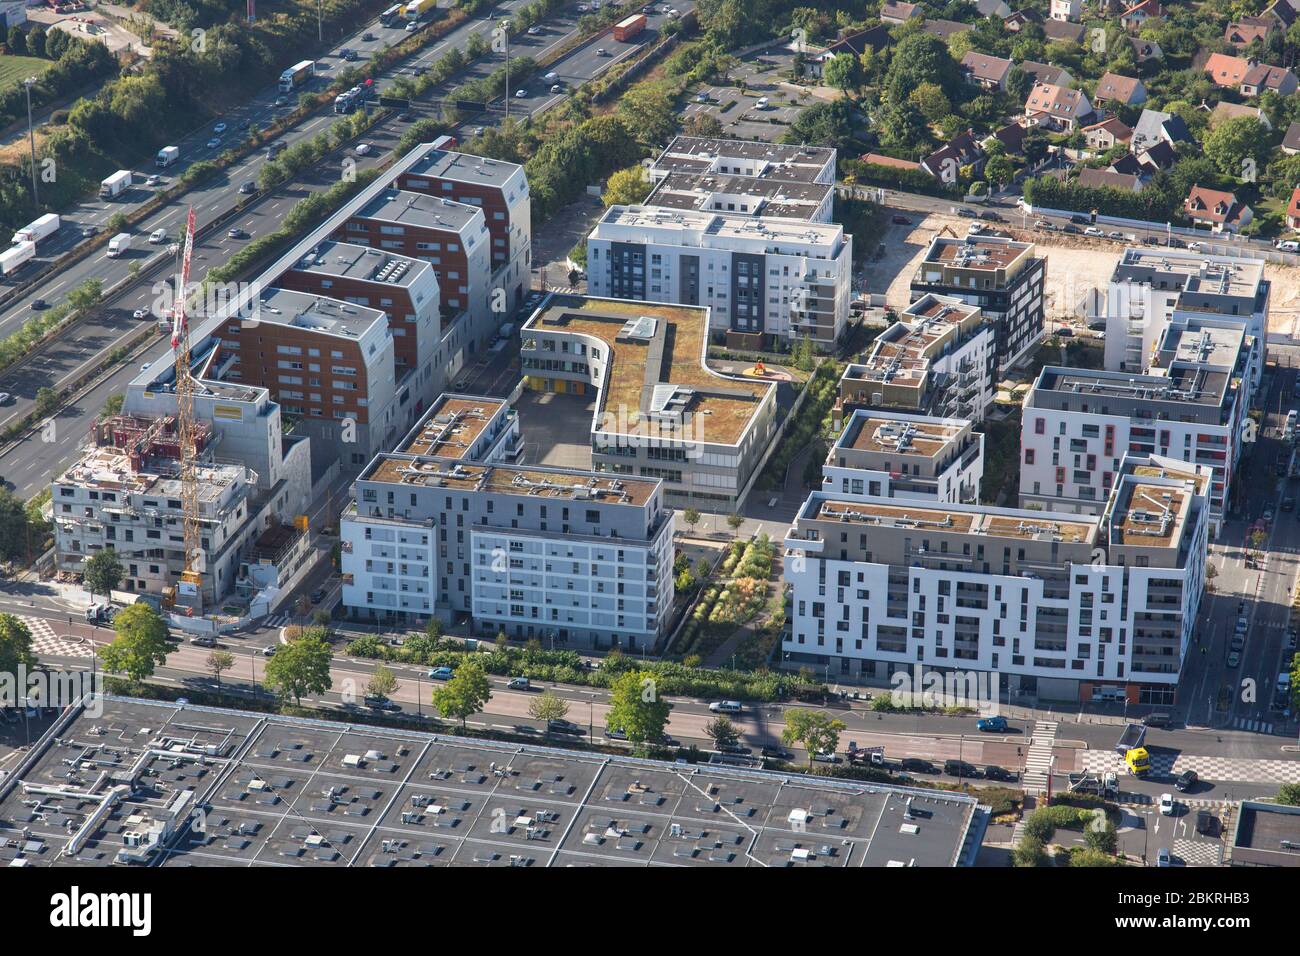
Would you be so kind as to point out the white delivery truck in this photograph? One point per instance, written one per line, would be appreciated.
(15, 256)
(167, 155)
(47, 225)
(116, 184)
(119, 244)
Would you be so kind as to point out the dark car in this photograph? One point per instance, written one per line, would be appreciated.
(960, 768)
(735, 748)
(564, 727)
(916, 765)
(1207, 824)
(1081, 220)
(248, 188)
(966, 213)
(1159, 720)
(1186, 781)
(993, 772)
(991, 216)
(381, 703)
(39, 304)
(1072, 229)
(616, 733)
(898, 220)
(776, 753)
(1288, 504)
(1176, 243)
(317, 596)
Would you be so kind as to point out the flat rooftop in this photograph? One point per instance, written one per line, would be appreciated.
(280, 791)
(1206, 347)
(1266, 834)
(421, 210)
(347, 261)
(1149, 515)
(1188, 385)
(699, 154)
(766, 233)
(111, 469)
(452, 425)
(1024, 526)
(306, 310)
(511, 480)
(1218, 275)
(656, 363)
(771, 197)
(462, 167)
(902, 354)
(976, 253)
(898, 436)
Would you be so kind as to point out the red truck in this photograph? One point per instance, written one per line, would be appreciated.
(625, 30)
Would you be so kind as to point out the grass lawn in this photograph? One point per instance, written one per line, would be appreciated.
(15, 69)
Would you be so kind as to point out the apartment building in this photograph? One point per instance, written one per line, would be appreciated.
(444, 528)
(1046, 606)
(1149, 285)
(1079, 424)
(500, 189)
(452, 237)
(939, 359)
(1003, 277)
(893, 455)
(702, 155)
(763, 279)
(124, 493)
(406, 290)
(327, 362)
(745, 196)
(661, 412)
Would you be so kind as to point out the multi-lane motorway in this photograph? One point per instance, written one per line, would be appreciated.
(27, 465)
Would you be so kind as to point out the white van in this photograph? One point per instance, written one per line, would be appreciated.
(725, 707)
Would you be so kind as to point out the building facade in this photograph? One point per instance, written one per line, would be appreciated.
(914, 457)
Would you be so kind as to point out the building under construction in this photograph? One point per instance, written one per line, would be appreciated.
(125, 493)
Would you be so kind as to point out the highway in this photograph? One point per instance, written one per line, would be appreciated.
(27, 465)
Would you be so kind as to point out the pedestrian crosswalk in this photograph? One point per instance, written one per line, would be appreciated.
(1254, 726)
(1209, 768)
(278, 620)
(1038, 762)
(1198, 852)
(45, 643)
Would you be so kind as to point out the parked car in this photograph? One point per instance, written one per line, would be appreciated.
(916, 765)
(440, 673)
(1186, 781)
(616, 733)
(776, 753)
(993, 772)
(996, 724)
(1094, 232)
(1071, 229)
(218, 129)
(725, 707)
(991, 216)
(960, 768)
(1167, 804)
(899, 220)
(519, 683)
(1163, 858)
(377, 702)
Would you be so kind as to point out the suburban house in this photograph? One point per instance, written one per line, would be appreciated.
(1226, 71)
(944, 29)
(1219, 210)
(1129, 165)
(1285, 12)
(895, 11)
(1159, 156)
(875, 37)
(1066, 10)
(1064, 30)
(1011, 136)
(1145, 50)
(1125, 90)
(1261, 77)
(993, 8)
(1020, 19)
(946, 162)
(1226, 111)
(1105, 179)
(1140, 14)
(1293, 210)
(1291, 141)
(1249, 29)
(1046, 73)
(984, 71)
(1154, 127)
(1057, 107)
(1102, 136)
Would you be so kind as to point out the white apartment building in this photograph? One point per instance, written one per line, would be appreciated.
(703, 155)
(1150, 285)
(1049, 606)
(444, 528)
(1079, 424)
(762, 278)
(939, 358)
(915, 457)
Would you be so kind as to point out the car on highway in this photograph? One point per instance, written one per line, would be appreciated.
(1186, 781)
(551, 77)
(318, 595)
(39, 304)
(725, 707)
(564, 727)
(996, 724)
(367, 36)
(900, 220)
(440, 673)
(204, 640)
(378, 702)
(157, 236)
(349, 55)
(1288, 504)
(519, 683)
(735, 747)
(556, 88)
(412, 27)
(967, 213)
(218, 129)
(1234, 659)
(363, 149)
(602, 52)
(1196, 246)
(282, 101)
(214, 142)
(247, 188)
(616, 733)
(476, 131)
(4, 398)
(234, 232)
(140, 314)
(154, 180)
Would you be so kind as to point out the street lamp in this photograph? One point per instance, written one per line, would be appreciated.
(505, 38)
(31, 138)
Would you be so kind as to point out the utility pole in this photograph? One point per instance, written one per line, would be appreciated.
(319, 35)
(31, 139)
(505, 35)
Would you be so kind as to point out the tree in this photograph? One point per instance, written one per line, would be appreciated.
(548, 706)
(722, 732)
(141, 643)
(930, 99)
(15, 644)
(818, 732)
(1237, 147)
(1289, 794)
(648, 109)
(465, 694)
(218, 663)
(47, 401)
(383, 683)
(636, 707)
(920, 58)
(704, 125)
(841, 72)
(13, 526)
(103, 572)
(301, 666)
(627, 187)
(734, 521)
(691, 517)
(999, 170)
(17, 42)
(113, 405)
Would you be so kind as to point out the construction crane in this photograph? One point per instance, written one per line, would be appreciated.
(191, 576)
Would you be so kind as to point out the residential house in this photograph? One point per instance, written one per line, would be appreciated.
(1293, 210)
(1105, 179)
(1063, 10)
(943, 29)
(875, 37)
(1159, 156)
(993, 8)
(1130, 165)
(1263, 77)
(1104, 135)
(1221, 211)
(1285, 12)
(1145, 50)
(1291, 141)
(1057, 107)
(1156, 127)
(1125, 90)
(1226, 111)
(946, 162)
(1064, 30)
(1011, 136)
(1140, 14)
(1021, 19)
(1226, 71)
(984, 71)
(895, 11)
(1046, 73)
(1249, 29)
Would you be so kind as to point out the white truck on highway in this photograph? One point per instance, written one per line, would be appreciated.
(15, 256)
(167, 155)
(297, 75)
(119, 244)
(42, 228)
(116, 184)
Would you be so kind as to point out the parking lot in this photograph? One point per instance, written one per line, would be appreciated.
(755, 104)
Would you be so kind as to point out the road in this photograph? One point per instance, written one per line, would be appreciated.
(28, 464)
